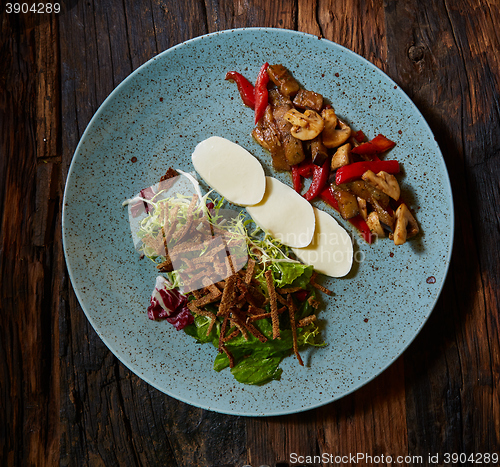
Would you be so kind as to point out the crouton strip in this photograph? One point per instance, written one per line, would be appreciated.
(205, 300)
(254, 310)
(229, 356)
(249, 271)
(229, 264)
(200, 311)
(223, 328)
(274, 307)
(236, 321)
(319, 286)
(288, 290)
(291, 312)
(314, 303)
(172, 219)
(189, 219)
(255, 332)
(305, 321)
(211, 325)
(227, 296)
(235, 332)
(252, 318)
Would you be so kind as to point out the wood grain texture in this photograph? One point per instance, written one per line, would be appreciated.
(65, 399)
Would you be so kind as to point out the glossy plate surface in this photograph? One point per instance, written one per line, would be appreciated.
(153, 120)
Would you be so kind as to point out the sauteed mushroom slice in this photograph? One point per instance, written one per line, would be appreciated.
(341, 156)
(305, 126)
(334, 137)
(406, 225)
(363, 210)
(374, 224)
(385, 182)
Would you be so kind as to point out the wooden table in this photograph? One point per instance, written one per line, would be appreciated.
(65, 399)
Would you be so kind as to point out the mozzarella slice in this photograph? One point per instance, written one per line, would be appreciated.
(330, 251)
(285, 214)
(230, 170)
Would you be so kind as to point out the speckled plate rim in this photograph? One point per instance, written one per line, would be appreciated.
(188, 400)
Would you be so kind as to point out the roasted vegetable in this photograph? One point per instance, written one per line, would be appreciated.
(341, 156)
(267, 134)
(305, 126)
(356, 170)
(319, 153)
(294, 152)
(373, 222)
(384, 182)
(283, 79)
(334, 137)
(308, 100)
(406, 225)
(347, 202)
(261, 94)
(245, 88)
(376, 146)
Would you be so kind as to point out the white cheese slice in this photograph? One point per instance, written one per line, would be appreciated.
(285, 214)
(230, 170)
(330, 251)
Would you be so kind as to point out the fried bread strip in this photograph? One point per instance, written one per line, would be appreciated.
(274, 306)
(305, 321)
(319, 286)
(291, 312)
(227, 296)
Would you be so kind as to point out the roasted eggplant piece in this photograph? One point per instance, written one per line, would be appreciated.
(376, 198)
(319, 153)
(366, 191)
(308, 100)
(283, 79)
(267, 134)
(348, 204)
(293, 149)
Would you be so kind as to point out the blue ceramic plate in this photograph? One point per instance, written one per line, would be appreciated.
(153, 120)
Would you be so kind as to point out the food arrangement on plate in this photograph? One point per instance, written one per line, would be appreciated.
(240, 263)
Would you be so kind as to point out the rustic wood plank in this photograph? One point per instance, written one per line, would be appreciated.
(370, 422)
(270, 441)
(29, 352)
(257, 13)
(452, 373)
(121, 419)
(273, 441)
(359, 26)
(69, 401)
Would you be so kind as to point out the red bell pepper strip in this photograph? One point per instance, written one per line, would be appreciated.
(306, 168)
(328, 197)
(359, 136)
(354, 171)
(296, 179)
(377, 145)
(319, 181)
(261, 94)
(245, 88)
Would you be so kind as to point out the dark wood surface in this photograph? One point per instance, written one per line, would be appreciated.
(66, 400)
